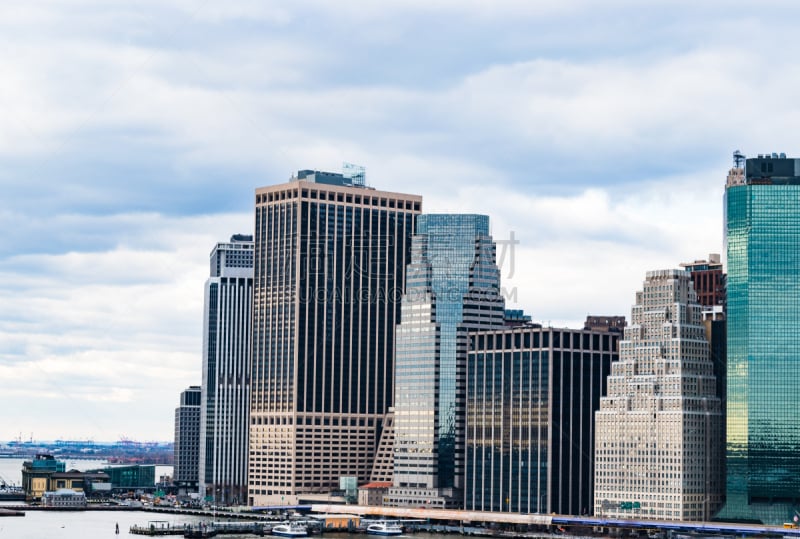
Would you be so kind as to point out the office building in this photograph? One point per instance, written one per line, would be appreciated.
(605, 323)
(762, 209)
(187, 439)
(452, 287)
(330, 259)
(531, 397)
(658, 433)
(225, 397)
(708, 280)
(383, 465)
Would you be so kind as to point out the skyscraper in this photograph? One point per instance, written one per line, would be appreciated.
(762, 203)
(225, 402)
(330, 258)
(658, 433)
(531, 397)
(452, 287)
(187, 439)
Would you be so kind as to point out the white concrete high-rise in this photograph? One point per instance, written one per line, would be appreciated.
(658, 433)
(227, 342)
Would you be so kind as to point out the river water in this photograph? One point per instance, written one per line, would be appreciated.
(102, 524)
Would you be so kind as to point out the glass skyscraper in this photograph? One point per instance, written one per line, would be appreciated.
(763, 437)
(452, 287)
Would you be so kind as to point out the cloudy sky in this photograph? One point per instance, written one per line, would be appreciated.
(133, 135)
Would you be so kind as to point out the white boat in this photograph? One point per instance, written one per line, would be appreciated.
(384, 528)
(289, 530)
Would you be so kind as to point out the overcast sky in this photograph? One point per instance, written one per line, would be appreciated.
(133, 135)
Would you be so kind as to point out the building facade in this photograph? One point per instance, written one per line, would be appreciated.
(762, 208)
(605, 323)
(225, 395)
(531, 397)
(708, 280)
(452, 287)
(36, 475)
(330, 258)
(187, 439)
(658, 449)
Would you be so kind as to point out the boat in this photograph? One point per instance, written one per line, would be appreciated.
(290, 530)
(384, 527)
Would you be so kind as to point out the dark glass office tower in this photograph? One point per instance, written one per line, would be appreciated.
(330, 259)
(531, 397)
(453, 287)
(187, 439)
(227, 346)
(763, 242)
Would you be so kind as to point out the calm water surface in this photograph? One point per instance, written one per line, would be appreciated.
(101, 525)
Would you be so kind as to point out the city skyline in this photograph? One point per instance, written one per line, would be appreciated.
(135, 139)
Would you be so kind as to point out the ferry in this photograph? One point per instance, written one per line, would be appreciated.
(384, 528)
(290, 530)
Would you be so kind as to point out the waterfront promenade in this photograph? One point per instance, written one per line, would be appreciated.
(563, 522)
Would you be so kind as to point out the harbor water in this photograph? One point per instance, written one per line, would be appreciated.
(102, 525)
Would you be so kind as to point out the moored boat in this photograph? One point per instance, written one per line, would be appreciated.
(289, 530)
(384, 528)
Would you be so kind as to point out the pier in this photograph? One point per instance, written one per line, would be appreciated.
(159, 527)
(6, 512)
(562, 524)
(162, 527)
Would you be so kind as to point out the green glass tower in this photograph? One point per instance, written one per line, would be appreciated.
(762, 204)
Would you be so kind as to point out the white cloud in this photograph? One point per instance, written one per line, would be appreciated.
(600, 136)
(121, 326)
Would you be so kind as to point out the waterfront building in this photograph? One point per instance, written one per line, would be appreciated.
(225, 394)
(132, 477)
(187, 439)
(531, 397)
(330, 259)
(762, 209)
(36, 475)
(658, 449)
(373, 492)
(452, 287)
(79, 481)
(64, 498)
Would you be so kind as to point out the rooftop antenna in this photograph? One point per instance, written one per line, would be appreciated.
(738, 159)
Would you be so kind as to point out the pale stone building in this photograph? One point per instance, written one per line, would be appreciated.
(658, 433)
